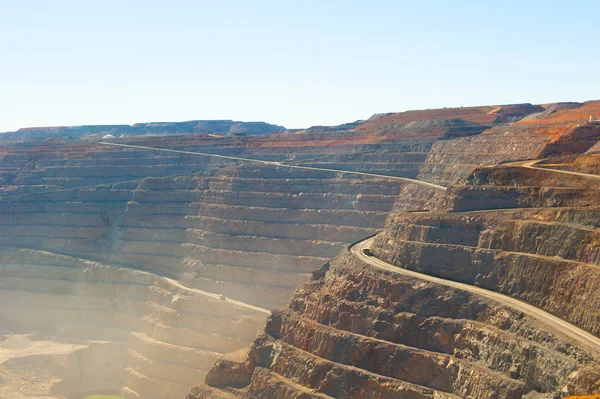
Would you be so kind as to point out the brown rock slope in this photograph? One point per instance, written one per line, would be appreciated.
(356, 331)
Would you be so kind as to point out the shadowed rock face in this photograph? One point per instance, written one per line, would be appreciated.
(396, 336)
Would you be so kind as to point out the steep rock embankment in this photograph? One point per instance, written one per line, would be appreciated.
(539, 256)
(409, 337)
(450, 160)
(520, 187)
(356, 331)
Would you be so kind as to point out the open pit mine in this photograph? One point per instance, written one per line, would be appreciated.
(450, 253)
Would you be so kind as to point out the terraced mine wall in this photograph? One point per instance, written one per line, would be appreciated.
(52, 294)
(357, 330)
(540, 256)
(543, 251)
(216, 244)
(405, 151)
(177, 271)
(450, 160)
(35, 169)
(184, 332)
(354, 331)
(520, 187)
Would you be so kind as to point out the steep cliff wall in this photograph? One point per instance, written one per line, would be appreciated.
(450, 160)
(354, 331)
(536, 255)
(394, 335)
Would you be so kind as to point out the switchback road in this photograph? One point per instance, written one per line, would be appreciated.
(583, 338)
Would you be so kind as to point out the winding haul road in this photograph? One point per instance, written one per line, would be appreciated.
(272, 163)
(583, 338)
(177, 284)
(529, 165)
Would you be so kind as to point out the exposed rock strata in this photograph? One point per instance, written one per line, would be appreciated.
(252, 233)
(401, 337)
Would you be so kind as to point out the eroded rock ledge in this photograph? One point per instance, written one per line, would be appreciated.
(354, 330)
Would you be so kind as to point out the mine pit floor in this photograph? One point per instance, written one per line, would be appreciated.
(24, 379)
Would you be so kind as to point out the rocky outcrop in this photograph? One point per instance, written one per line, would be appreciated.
(354, 329)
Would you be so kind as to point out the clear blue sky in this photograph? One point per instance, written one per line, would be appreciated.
(295, 63)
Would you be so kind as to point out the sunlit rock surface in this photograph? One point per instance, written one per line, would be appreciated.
(144, 272)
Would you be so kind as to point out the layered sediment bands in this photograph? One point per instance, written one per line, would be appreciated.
(354, 330)
(184, 332)
(200, 247)
(233, 218)
(54, 169)
(386, 162)
(69, 297)
(251, 233)
(275, 245)
(548, 257)
(520, 187)
(357, 323)
(450, 160)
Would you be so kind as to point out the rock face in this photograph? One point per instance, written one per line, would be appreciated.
(170, 260)
(176, 258)
(354, 329)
